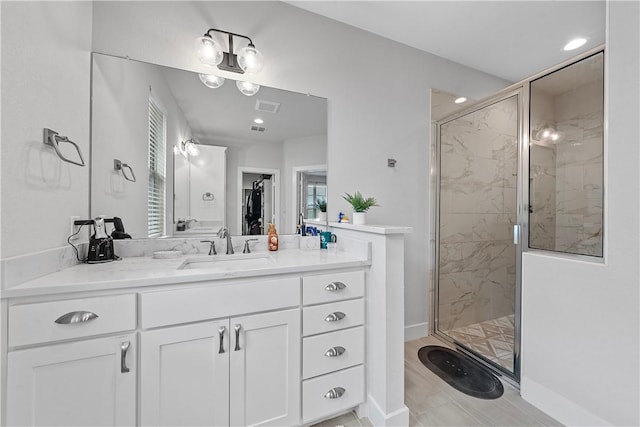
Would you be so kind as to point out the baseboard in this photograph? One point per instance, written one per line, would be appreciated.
(413, 332)
(557, 406)
(379, 418)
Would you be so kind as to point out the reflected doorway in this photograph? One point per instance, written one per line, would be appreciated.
(258, 199)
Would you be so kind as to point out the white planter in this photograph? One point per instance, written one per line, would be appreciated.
(359, 218)
(322, 216)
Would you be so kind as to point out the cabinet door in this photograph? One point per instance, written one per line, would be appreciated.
(83, 383)
(265, 369)
(185, 375)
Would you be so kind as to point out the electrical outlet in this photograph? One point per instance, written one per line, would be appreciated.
(73, 229)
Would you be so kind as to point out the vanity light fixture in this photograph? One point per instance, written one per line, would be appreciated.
(575, 43)
(189, 147)
(211, 81)
(247, 60)
(460, 100)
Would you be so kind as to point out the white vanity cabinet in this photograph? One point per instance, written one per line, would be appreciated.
(86, 382)
(239, 370)
(333, 346)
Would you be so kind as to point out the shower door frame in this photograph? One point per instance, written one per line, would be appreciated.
(521, 91)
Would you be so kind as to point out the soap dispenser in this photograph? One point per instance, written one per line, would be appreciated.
(272, 237)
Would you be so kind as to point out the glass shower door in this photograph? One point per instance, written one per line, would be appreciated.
(477, 260)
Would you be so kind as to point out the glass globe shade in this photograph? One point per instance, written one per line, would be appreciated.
(247, 88)
(250, 59)
(211, 81)
(191, 149)
(208, 51)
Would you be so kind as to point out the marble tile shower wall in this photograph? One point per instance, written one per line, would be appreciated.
(579, 170)
(477, 212)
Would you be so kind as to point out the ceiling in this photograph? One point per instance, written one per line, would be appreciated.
(508, 39)
(224, 116)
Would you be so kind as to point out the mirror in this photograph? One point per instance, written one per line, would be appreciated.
(244, 174)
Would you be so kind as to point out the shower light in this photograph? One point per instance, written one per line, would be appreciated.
(575, 43)
(258, 121)
(460, 100)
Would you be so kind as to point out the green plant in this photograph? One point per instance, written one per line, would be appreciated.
(359, 203)
(322, 205)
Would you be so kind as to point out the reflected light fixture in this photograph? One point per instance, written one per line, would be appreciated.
(460, 100)
(247, 60)
(258, 121)
(247, 88)
(189, 147)
(211, 81)
(548, 134)
(575, 43)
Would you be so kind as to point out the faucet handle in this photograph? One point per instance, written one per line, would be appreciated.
(247, 249)
(212, 248)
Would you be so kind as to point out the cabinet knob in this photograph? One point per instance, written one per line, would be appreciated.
(334, 393)
(335, 351)
(76, 317)
(335, 316)
(335, 286)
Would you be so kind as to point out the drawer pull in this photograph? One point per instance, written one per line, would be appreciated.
(124, 349)
(335, 316)
(76, 317)
(334, 393)
(335, 286)
(335, 351)
(237, 329)
(221, 330)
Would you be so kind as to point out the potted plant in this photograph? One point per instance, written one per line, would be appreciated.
(360, 206)
(322, 206)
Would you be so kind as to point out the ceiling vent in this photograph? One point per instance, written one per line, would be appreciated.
(258, 128)
(267, 106)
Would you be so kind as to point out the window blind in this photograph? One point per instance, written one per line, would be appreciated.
(156, 166)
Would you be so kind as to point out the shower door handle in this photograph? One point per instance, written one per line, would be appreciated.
(516, 234)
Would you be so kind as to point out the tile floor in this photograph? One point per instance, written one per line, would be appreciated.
(493, 339)
(432, 402)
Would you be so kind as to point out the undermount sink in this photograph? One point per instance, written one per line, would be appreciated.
(228, 262)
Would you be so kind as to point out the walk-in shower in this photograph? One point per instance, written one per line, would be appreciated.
(521, 170)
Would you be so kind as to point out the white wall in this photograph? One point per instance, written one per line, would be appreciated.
(46, 75)
(581, 328)
(377, 108)
(121, 131)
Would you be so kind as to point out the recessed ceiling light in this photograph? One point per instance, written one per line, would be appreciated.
(460, 100)
(258, 121)
(575, 43)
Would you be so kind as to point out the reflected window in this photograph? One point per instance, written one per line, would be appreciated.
(566, 159)
(157, 174)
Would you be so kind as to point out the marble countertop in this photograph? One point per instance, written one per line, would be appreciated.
(146, 271)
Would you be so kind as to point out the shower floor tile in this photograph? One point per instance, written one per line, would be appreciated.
(492, 338)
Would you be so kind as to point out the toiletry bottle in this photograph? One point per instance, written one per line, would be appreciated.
(272, 237)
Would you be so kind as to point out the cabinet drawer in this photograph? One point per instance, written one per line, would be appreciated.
(163, 308)
(333, 351)
(316, 319)
(36, 323)
(316, 393)
(329, 287)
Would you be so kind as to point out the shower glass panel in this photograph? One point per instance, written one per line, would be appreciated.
(477, 264)
(566, 159)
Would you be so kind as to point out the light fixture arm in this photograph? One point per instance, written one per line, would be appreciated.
(230, 59)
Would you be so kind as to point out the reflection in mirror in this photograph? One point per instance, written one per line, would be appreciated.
(566, 159)
(312, 193)
(144, 114)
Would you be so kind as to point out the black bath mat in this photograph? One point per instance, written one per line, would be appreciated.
(460, 372)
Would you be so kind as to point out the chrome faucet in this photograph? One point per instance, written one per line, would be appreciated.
(224, 233)
(303, 231)
(212, 247)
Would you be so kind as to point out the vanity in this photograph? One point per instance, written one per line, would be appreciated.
(189, 342)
